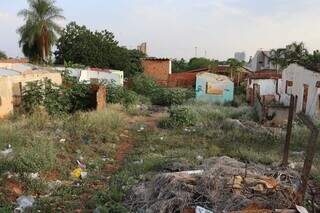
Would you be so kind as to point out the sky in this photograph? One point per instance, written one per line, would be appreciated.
(173, 28)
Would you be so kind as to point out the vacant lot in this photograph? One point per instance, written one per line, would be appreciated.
(118, 148)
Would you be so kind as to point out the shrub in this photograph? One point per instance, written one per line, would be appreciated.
(120, 95)
(67, 98)
(179, 117)
(160, 95)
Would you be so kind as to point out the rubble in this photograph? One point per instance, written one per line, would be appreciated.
(220, 185)
(23, 203)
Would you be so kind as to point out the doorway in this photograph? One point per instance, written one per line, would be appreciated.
(305, 98)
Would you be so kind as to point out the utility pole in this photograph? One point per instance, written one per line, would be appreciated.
(205, 53)
(196, 51)
(286, 146)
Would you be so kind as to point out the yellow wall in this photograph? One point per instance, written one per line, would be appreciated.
(7, 82)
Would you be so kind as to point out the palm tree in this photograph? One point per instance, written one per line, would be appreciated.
(235, 67)
(40, 31)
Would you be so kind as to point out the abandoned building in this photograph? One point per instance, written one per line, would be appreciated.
(12, 83)
(304, 84)
(214, 88)
(266, 84)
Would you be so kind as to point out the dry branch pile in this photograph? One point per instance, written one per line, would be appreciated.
(222, 185)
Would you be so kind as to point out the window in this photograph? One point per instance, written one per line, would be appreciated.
(214, 89)
(289, 85)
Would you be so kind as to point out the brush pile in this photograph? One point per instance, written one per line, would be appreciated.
(220, 185)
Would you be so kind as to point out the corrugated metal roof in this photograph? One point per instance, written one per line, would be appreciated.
(5, 72)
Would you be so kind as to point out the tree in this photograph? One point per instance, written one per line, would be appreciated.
(3, 55)
(235, 67)
(179, 65)
(293, 53)
(80, 45)
(40, 30)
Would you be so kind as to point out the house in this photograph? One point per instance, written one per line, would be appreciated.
(95, 75)
(266, 83)
(12, 83)
(159, 69)
(214, 88)
(261, 61)
(304, 84)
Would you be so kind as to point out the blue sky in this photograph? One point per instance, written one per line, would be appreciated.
(172, 28)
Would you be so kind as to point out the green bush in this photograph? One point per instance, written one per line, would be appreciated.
(120, 95)
(70, 97)
(160, 95)
(179, 117)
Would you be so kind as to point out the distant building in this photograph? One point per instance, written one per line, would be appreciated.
(240, 56)
(142, 47)
(214, 88)
(261, 61)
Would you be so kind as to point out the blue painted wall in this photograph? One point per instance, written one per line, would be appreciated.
(201, 95)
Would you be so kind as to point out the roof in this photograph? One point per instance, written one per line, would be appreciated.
(214, 77)
(6, 72)
(156, 59)
(15, 60)
(266, 74)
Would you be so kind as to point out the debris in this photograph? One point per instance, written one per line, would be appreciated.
(24, 202)
(83, 175)
(62, 140)
(54, 184)
(34, 176)
(162, 138)
(139, 162)
(6, 152)
(301, 209)
(202, 210)
(209, 187)
(76, 173)
(81, 165)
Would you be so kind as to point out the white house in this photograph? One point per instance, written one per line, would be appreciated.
(96, 75)
(304, 84)
(266, 83)
(261, 61)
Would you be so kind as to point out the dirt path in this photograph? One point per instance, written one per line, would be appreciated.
(125, 147)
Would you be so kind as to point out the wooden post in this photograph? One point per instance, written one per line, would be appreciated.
(311, 149)
(286, 146)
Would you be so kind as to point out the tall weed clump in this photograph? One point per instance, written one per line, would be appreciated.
(160, 95)
(104, 126)
(121, 95)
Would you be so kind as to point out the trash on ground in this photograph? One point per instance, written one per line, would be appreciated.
(221, 184)
(7, 151)
(199, 209)
(81, 165)
(24, 202)
(76, 173)
(62, 140)
(34, 176)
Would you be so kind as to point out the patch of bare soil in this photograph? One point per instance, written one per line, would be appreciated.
(127, 143)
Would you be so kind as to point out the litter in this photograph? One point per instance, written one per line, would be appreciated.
(202, 210)
(83, 175)
(24, 202)
(162, 138)
(199, 158)
(301, 209)
(76, 173)
(62, 140)
(81, 165)
(7, 151)
(34, 176)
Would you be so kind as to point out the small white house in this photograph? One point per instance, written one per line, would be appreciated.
(93, 75)
(304, 84)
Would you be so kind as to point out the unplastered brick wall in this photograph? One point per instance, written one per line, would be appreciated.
(157, 69)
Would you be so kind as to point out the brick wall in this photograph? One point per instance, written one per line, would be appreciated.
(184, 79)
(157, 69)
